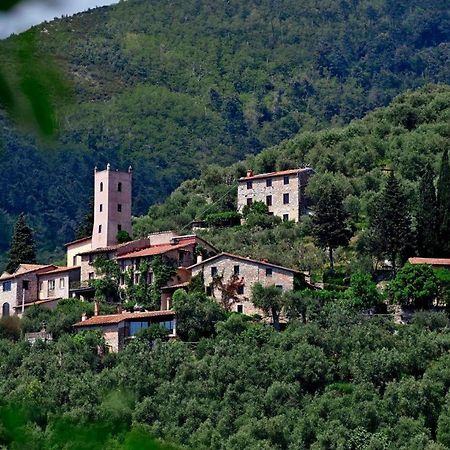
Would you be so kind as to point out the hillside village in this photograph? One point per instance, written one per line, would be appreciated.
(284, 193)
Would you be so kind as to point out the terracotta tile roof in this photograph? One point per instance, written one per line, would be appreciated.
(26, 268)
(280, 173)
(430, 261)
(117, 318)
(77, 241)
(61, 270)
(243, 258)
(159, 249)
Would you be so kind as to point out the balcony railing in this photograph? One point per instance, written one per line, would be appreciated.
(80, 284)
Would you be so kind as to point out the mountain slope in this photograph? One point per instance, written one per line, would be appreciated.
(172, 86)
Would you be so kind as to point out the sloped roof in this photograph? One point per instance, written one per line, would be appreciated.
(117, 318)
(78, 241)
(61, 270)
(26, 268)
(430, 261)
(243, 258)
(159, 249)
(280, 173)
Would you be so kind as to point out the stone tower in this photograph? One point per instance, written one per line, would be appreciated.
(112, 206)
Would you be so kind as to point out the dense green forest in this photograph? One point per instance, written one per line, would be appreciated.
(342, 380)
(172, 87)
(406, 136)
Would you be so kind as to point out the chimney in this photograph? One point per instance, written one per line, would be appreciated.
(249, 173)
(83, 317)
(199, 258)
(119, 308)
(96, 308)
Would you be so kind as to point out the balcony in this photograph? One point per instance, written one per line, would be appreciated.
(85, 284)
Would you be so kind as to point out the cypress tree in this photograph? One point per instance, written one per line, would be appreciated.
(443, 207)
(426, 214)
(23, 247)
(391, 223)
(330, 221)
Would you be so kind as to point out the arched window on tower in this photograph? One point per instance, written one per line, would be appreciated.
(5, 310)
(101, 187)
(119, 187)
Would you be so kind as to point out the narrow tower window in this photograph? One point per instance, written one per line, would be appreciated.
(99, 228)
(101, 187)
(119, 187)
(119, 208)
(101, 207)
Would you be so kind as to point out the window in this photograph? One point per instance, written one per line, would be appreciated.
(119, 227)
(168, 325)
(269, 182)
(5, 310)
(269, 200)
(41, 286)
(74, 260)
(91, 275)
(236, 270)
(101, 187)
(119, 187)
(249, 184)
(51, 285)
(240, 290)
(137, 326)
(249, 201)
(101, 207)
(25, 285)
(6, 286)
(208, 291)
(119, 208)
(278, 286)
(240, 309)
(285, 199)
(91, 259)
(213, 271)
(99, 228)
(286, 179)
(62, 283)
(285, 217)
(268, 272)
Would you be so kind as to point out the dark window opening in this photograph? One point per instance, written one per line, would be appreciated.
(213, 271)
(285, 199)
(119, 208)
(5, 310)
(269, 200)
(240, 290)
(268, 272)
(269, 182)
(101, 187)
(119, 187)
(236, 270)
(286, 179)
(249, 201)
(249, 184)
(240, 308)
(285, 217)
(25, 285)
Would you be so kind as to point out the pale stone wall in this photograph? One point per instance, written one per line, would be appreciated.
(61, 290)
(73, 259)
(9, 297)
(260, 191)
(163, 237)
(106, 201)
(252, 272)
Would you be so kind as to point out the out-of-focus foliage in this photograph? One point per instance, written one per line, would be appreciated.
(172, 87)
(335, 378)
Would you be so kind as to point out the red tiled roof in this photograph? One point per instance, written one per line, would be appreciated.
(243, 258)
(117, 318)
(26, 268)
(61, 269)
(159, 249)
(430, 261)
(275, 174)
(76, 241)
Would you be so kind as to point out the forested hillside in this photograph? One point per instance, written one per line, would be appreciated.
(172, 86)
(411, 132)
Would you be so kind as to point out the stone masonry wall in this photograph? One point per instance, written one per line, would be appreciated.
(252, 272)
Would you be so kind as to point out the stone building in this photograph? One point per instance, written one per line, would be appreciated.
(283, 192)
(251, 271)
(118, 328)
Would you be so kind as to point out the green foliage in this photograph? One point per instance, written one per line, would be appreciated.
(391, 222)
(223, 219)
(330, 220)
(123, 236)
(363, 292)
(415, 285)
(443, 207)
(270, 299)
(196, 315)
(23, 247)
(107, 284)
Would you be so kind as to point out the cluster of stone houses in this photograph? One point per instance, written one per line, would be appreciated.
(45, 285)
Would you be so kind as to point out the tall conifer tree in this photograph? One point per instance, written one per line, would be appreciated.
(426, 214)
(391, 223)
(443, 207)
(330, 221)
(23, 247)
